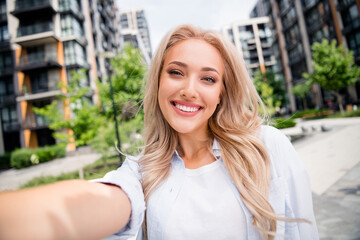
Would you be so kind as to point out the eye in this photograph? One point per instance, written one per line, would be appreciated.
(175, 72)
(209, 79)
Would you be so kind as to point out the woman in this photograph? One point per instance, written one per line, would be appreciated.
(208, 170)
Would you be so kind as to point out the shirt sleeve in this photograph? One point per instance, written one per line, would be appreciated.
(298, 195)
(127, 177)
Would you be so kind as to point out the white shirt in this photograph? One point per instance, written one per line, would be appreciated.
(206, 207)
(289, 193)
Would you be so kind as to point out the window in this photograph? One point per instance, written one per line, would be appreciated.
(9, 117)
(292, 35)
(3, 7)
(354, 43)
(71, 26)
(289, 18)
(6, 86)
(74, 53)
(39, 82)
(5, 60)
(35, 54)
(4, 33)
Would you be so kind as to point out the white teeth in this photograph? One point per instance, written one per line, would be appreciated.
(187, 109)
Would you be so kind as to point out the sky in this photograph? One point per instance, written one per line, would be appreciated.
(163, 15)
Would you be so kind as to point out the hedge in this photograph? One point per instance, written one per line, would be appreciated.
(26, 157)
(5, 160)
(280, 123)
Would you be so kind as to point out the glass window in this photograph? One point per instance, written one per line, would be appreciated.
(74, 53)
(5, 60)
(3, 7)
(71, 26)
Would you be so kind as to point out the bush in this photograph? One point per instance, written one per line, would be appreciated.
(280, 123)
(312, 113)
(20, 158)
(26, 157)
(5, 160)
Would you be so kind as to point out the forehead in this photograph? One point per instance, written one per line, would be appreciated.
(195, 52)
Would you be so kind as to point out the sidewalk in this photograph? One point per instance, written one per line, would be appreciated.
(12, 179)
(332, 159)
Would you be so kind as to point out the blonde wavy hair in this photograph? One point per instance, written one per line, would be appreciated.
(235, 124)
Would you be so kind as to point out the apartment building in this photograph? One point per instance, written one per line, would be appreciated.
(41, 42)
(135, 30)
(253, 39)
(297, 24)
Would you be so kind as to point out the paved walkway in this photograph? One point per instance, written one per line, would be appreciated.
(332, 159)
(12, 179)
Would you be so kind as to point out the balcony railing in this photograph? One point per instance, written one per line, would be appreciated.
(11, 126)
(24, 4)
(33, 120)
(6, 99)
(345, 4)
(38, 58)
(51, 86)
(35, 28)
(6, 71)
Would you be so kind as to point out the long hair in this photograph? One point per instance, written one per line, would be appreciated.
(235, 124)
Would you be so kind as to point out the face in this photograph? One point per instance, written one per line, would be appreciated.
(190, 85)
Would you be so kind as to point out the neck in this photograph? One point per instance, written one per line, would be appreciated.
(194, 150)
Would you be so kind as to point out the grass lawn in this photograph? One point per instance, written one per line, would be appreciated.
(92, 171)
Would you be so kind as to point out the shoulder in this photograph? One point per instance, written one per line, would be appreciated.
(284, 159)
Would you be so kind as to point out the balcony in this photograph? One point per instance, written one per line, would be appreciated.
(308, 4)
(36, 34)
(73, 8)
(11, 126)
(7, 99)
(6, 71)
(35, 121)
(38, 61)
(5, 44)
(40, 95)
(344, 4)
(27, 9)
(352, 26)
(105, 29)
(315, 25)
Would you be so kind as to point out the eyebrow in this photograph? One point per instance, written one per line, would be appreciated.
(181, 64)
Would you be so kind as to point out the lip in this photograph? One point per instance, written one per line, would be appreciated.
(187, 104)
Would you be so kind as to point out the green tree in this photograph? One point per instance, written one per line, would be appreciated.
(302, 90)
(84, 120)
(127, 79)
(334, 68)
(271, 90)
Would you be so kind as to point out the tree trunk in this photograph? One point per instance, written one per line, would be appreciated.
(305, 103)
(339, 100)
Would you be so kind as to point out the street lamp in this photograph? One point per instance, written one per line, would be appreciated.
(109, 55)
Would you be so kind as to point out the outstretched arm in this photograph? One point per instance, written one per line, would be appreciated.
(72, 209)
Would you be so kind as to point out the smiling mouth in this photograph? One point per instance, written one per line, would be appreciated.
(186, 108)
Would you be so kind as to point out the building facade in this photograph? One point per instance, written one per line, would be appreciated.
(135, 30)
(41, 42)
(253, 39)
(297, 24)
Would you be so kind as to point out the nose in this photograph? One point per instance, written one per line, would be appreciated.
(189, 91)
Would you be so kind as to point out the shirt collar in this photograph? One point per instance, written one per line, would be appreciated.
(215, 147)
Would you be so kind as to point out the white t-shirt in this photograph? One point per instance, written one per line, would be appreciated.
(206, 207)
